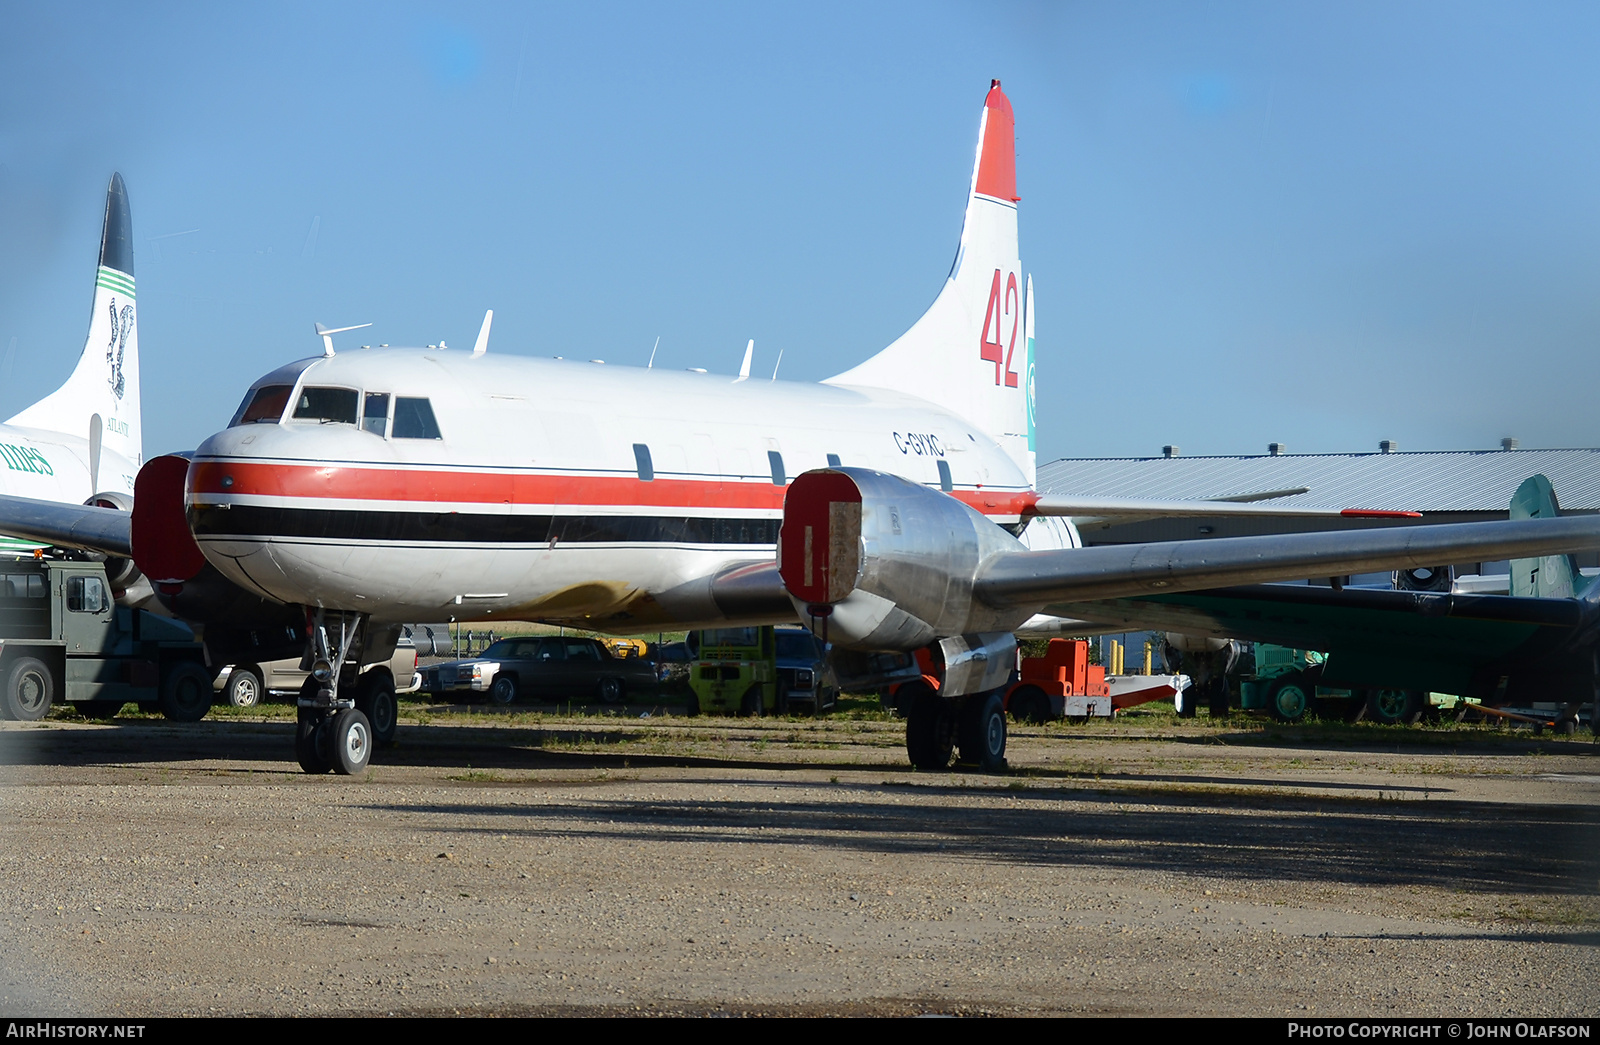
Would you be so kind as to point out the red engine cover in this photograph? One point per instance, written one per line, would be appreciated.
(819, 548)
(163, 546)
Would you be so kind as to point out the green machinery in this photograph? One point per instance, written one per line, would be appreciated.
(62, 637)
(734, 670)
(1287, 683)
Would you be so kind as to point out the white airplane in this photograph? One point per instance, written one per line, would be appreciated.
(890, 507)
(82, 444)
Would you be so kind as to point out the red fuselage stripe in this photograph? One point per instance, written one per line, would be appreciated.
(422, 486)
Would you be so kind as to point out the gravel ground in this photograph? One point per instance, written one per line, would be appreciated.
(517, 865)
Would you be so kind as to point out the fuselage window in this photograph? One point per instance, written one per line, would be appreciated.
(375, 414)
(834, 462)
(775, 459)
(413, 419)
(330, 406)
(263, 406)
(641, 460)
(945, 482)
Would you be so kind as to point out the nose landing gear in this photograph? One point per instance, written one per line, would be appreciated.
(331, 733)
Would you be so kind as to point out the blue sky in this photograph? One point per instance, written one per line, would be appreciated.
(1323, 225)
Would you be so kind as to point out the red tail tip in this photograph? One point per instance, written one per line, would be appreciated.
(997, 163)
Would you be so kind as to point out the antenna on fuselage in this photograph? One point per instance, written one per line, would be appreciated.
(327, 335)
(776, 365)
(744, 368)
(481, 346)
(648, 366)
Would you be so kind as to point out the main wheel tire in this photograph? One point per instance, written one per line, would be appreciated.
(1029, 704)
(981, 733)
(752, 705)
(244, 688)
(307, 751)
(1289, 699)
(98, 708)
(185, 692)
(349, 734)
(1217, 699)
(30, 690)
(930, 727)
(503, 691)
(1393, 707)
(375, 699)
(611, 691)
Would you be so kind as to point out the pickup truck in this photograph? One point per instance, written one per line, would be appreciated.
(246, 685)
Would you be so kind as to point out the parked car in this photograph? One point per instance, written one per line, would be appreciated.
(551, 667)
(246, 685)
(672, 667)
(805, 681)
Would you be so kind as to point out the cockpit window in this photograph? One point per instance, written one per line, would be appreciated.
(328, 405)
(413, 419)
(264, 405)
(375, 415)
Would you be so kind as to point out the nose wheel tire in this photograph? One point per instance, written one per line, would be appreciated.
(375, 699)
(349, 735)
(307, 751)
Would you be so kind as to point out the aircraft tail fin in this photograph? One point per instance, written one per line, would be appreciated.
(972, 351)
(100, 401)
(1552, 576)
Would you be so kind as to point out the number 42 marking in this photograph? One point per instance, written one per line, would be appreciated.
(998, 349)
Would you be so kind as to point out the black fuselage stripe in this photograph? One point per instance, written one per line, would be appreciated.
(467, 527)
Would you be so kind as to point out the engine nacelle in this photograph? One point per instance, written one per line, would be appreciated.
(122, 574)
(185, 584)
(888, 563)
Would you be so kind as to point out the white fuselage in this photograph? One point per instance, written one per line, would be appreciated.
(555, 490)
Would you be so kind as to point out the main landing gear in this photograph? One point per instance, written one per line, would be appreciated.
(332, 731)
(972, 727)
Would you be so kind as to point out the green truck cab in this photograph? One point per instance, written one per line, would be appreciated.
(64, 638)
(734, 671)
(1288, 684)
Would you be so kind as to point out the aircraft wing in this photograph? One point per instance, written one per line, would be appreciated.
(1465, 644)
(1046, 578)
(1247, 505)
(894, 565)
(80, 526)
(1324, 619)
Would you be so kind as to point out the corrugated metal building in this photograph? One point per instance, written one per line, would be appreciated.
(1445, 486)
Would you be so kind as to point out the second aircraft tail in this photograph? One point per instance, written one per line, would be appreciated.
(100, 401)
